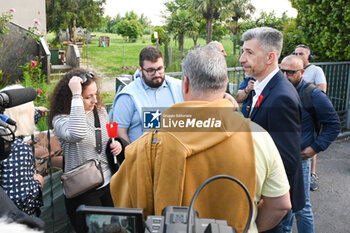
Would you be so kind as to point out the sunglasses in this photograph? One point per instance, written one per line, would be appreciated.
(87, 75)
(290, 72)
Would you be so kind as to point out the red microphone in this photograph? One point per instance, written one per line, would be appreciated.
(112, 129)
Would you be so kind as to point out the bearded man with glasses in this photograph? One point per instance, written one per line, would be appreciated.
(151, 88)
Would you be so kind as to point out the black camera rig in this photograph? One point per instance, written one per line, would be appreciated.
(174, 220)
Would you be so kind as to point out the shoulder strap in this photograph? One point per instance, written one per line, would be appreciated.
(98, 134)
(306, 97)
(306, 100)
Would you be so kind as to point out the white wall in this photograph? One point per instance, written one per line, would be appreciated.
(26, 12)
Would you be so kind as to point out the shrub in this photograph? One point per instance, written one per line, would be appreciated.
(33, 77)
(161, 35)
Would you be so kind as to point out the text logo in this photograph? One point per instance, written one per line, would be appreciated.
(151, 119)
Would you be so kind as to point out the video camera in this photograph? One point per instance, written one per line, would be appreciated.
(174, 219)
(9, 99)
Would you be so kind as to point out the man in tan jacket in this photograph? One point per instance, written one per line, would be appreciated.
(200, 138)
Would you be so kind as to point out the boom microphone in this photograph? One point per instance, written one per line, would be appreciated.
(14, 97)
(7, 119)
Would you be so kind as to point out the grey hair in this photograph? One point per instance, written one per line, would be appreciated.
(214, 45)
(270, 39)
(206, 69)
(23, 114)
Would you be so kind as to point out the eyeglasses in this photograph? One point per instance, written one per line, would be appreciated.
(151, 71)
(290, 72)
(87, 75)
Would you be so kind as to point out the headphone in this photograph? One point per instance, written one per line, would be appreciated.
(305, 47)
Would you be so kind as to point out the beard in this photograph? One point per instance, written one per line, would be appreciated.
(296, 81)
(153, 83)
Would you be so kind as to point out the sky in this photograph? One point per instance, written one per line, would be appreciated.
(153, 8)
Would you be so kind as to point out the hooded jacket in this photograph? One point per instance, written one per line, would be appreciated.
(165, 168)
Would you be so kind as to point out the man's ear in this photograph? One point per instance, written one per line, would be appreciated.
(271, 57)
(185, 86)
(140, 69)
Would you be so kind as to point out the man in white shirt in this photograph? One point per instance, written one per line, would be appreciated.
(276, 105)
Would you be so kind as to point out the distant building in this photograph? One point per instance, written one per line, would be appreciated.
(26, 13)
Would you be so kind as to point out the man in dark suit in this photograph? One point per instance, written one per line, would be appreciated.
(276, 105)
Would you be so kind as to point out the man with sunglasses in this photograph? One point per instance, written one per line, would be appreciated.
(151, 88)
(313, 74)
(292, 67)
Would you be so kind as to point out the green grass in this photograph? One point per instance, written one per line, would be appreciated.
(107, 96)
(122, 57)
(116, 59)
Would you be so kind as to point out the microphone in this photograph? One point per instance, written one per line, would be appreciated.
(7, 119)
(14, 97)
(3, 124)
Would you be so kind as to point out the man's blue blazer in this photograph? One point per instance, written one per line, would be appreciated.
(279, 113)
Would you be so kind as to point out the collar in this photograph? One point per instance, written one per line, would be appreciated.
(259, 86)
(307, 66)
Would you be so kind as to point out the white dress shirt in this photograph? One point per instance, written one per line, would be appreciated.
(259, 87)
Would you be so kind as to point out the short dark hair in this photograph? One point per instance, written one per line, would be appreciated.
(304, 46)
(149, 53)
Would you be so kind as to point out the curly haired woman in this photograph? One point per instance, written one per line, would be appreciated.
(72, 117)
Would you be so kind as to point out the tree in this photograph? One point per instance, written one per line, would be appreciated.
(129, 15)
(271, 20)
(266, 20)
(292, 36)
(144, 20)
(181, 20)
(179, 24)
(196, 31)
(130, 29)
(109, 24)
(325, 26)
(219, 31)
(112, 25)
(235, 11)
(161, 35)
(62, 14)
(211, 10)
